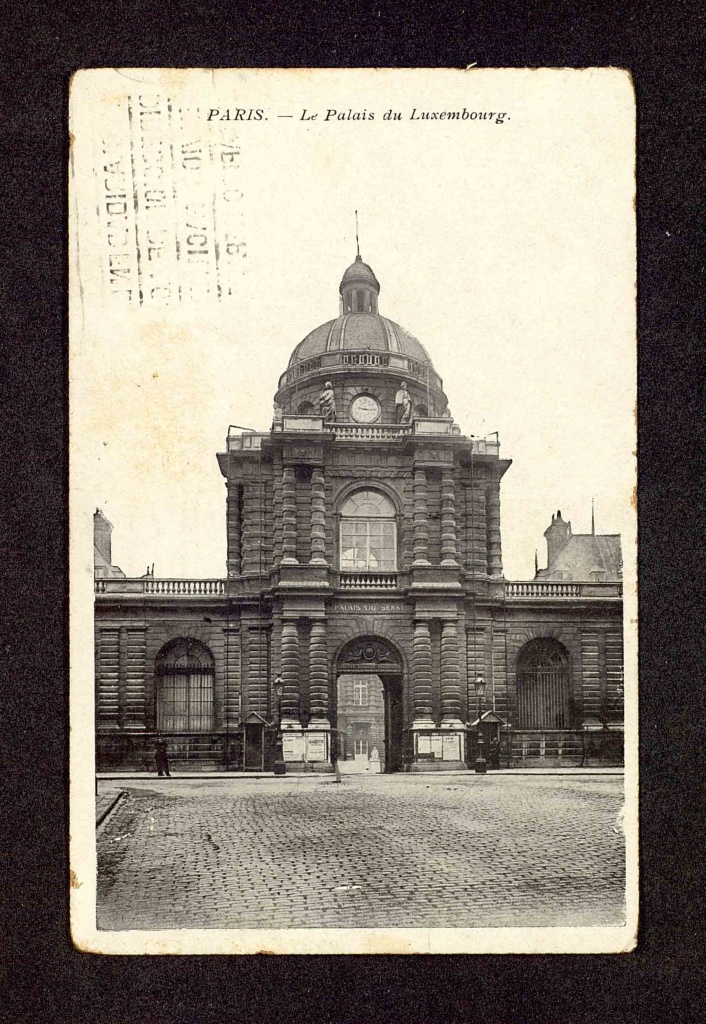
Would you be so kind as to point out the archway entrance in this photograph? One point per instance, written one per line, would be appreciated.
(369, 718)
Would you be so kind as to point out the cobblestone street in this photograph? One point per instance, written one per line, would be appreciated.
(385, 851)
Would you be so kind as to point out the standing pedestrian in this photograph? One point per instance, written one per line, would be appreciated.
(494, 753)
(161, 757)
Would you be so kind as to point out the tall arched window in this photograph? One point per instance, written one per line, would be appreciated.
(543, 686)
(184, 676)
(368, 533)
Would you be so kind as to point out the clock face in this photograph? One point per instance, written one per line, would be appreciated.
(365, 409)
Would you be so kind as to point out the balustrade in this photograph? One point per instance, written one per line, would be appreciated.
(152, 586)
(543, 588)
(368, 581)
(378, 432)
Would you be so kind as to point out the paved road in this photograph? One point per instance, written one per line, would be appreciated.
(381, 851)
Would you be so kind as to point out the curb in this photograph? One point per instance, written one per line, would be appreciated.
(100, 818)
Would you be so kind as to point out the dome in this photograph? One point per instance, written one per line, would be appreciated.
(360, 332)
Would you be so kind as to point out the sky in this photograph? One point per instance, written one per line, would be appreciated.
(507, 249)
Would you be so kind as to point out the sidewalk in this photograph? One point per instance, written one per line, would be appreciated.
(323, 776)
(106, 800)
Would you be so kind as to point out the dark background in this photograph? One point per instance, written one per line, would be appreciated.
(44, 979)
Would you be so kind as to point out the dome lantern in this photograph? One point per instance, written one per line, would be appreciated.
(359, 288)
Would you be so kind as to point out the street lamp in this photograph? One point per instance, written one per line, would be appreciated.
(280, 765)
(481, 766)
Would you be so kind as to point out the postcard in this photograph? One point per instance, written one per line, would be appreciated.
(352, 511)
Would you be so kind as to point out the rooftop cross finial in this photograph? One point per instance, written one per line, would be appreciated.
(357, 243)
(593, 517)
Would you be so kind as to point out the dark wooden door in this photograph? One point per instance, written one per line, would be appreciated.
(254, 747)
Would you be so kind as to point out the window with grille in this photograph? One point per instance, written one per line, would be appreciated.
(543, 686)
(368, 533)
(184, 676)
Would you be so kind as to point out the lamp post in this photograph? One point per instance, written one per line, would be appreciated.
(280, 765)
(481, 766)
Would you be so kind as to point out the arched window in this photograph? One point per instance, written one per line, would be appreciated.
(368, 533)
(543, 686)
(305, 409)
(184, 675)
(421, 411)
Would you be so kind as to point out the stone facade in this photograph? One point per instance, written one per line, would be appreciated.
(358, 545)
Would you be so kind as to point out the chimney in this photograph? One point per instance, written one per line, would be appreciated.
(102, 530)
(557, 534)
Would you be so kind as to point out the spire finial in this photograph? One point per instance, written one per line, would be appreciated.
(536, 562)
(357, 243)
(593, 517)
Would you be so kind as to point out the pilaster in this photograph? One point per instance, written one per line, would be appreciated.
(318, 672)
(108, 682)
(421, 517)
(495, 561)
(135, 700)
(277, 507)
(318, 517)
(448, 519)
(289, 517)
(421, 674)
(290, 672)
(234, 527)
(232, 670)
(450, 673)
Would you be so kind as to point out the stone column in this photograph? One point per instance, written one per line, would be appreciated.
(290, 671)
(450, 673)
(289, 517)
(318, 517)
(318, 672)
(495, 561)
(448, 519)
(421, 673)
(421, 518)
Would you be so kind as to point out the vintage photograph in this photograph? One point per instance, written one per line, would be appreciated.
(353, 530)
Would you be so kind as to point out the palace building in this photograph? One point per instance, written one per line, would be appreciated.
(364, 592)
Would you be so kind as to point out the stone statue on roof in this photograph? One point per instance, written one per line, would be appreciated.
(403, 404)
(327, 403)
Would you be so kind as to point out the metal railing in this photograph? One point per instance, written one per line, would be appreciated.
(245, 442)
